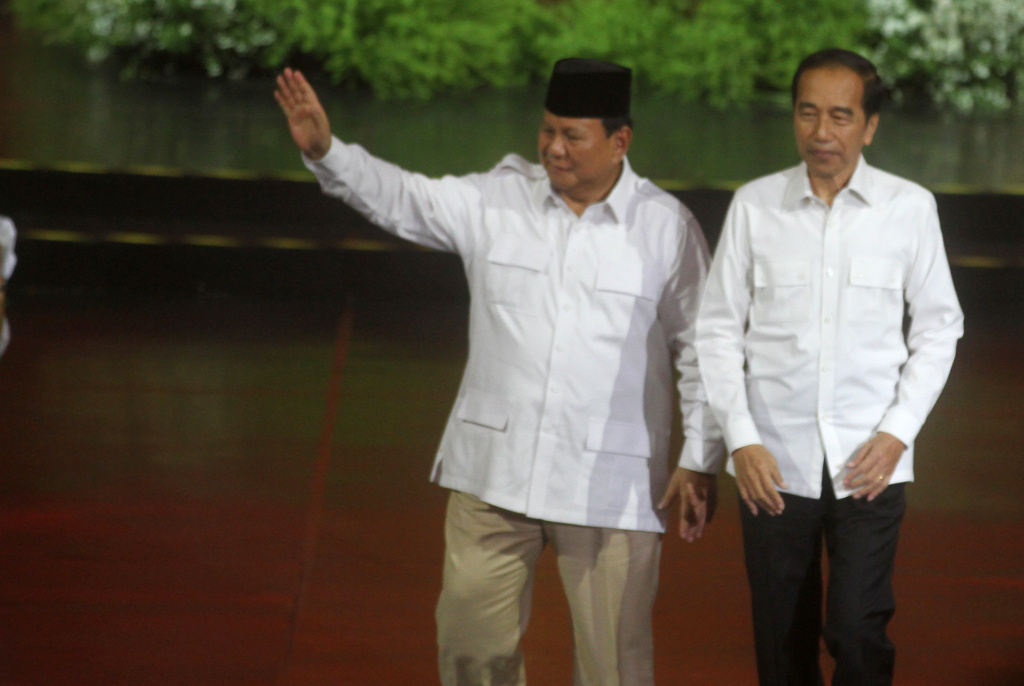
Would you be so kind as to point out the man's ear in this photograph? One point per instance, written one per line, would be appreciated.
(621, 140)
(869, 131)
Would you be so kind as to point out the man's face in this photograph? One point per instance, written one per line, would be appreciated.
(577, 154)
(830, 125)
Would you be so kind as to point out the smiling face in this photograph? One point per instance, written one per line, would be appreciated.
(831, 127)
(582, 161)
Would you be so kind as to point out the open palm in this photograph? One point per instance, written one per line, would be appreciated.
(307, 119)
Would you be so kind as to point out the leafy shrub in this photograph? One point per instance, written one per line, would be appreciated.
(628, 32)
(219, 36)
(726, 51)
(401, 47)
(965, 53)
(418, 47)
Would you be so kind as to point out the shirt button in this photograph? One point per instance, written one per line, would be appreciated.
(828, 320)
(554, 389)
(829, 272)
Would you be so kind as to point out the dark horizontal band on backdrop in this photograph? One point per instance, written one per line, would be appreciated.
(357, 244)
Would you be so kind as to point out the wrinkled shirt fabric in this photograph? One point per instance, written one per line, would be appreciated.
(801, 333)
(7, 261)
(566, 402)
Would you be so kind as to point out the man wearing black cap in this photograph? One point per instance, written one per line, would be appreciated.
(585, 280)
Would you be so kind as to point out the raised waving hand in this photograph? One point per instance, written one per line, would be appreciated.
(306, 116)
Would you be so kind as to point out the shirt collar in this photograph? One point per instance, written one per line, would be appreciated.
(617, 201)
(798, 187)
(861, 183)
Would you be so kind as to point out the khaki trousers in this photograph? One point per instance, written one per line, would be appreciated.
(610, 578)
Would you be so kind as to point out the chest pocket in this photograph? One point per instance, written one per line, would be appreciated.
(782, 291)
(517, 272)
(485, 409)
(624, 277)
(875, 291)
(625, 298)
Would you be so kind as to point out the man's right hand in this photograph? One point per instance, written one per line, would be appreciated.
(758, 478)
(306, 116)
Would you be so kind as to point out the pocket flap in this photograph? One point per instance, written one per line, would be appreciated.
(622, 277)
(486, 409)
(786, 273)
(516, 252)
(623, 438)
(876, 272)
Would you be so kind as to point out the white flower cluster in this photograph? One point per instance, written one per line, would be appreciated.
(220, 33)
(964, 53)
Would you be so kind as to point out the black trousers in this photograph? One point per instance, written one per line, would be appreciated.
(784, 568)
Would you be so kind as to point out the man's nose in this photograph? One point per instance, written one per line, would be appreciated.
(822, 128)
(557, 146)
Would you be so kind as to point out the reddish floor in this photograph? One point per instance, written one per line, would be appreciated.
(157, 488)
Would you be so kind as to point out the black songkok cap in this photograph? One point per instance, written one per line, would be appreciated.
(588, 88)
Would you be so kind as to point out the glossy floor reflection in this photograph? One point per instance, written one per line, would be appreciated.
(156, 477)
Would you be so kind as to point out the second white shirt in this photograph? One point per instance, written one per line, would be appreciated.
(801, 332)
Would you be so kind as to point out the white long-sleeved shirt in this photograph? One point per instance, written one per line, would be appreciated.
(565, 405)
(801, 332)
(7, 261)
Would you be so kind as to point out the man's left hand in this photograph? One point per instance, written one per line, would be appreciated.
(872, 467)
(698, 499)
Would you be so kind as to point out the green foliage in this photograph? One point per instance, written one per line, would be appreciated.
(399, 47)
(219, 36)
(731, 48)
(964, 53)
(628, 32)
(418, 47)
(726, 51)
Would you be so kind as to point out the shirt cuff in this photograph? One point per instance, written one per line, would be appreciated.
(704, 456)
(740, 432)
(334, 159)
(900, 424)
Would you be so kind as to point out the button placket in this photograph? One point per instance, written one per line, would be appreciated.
(829, 309)
(559, 365)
